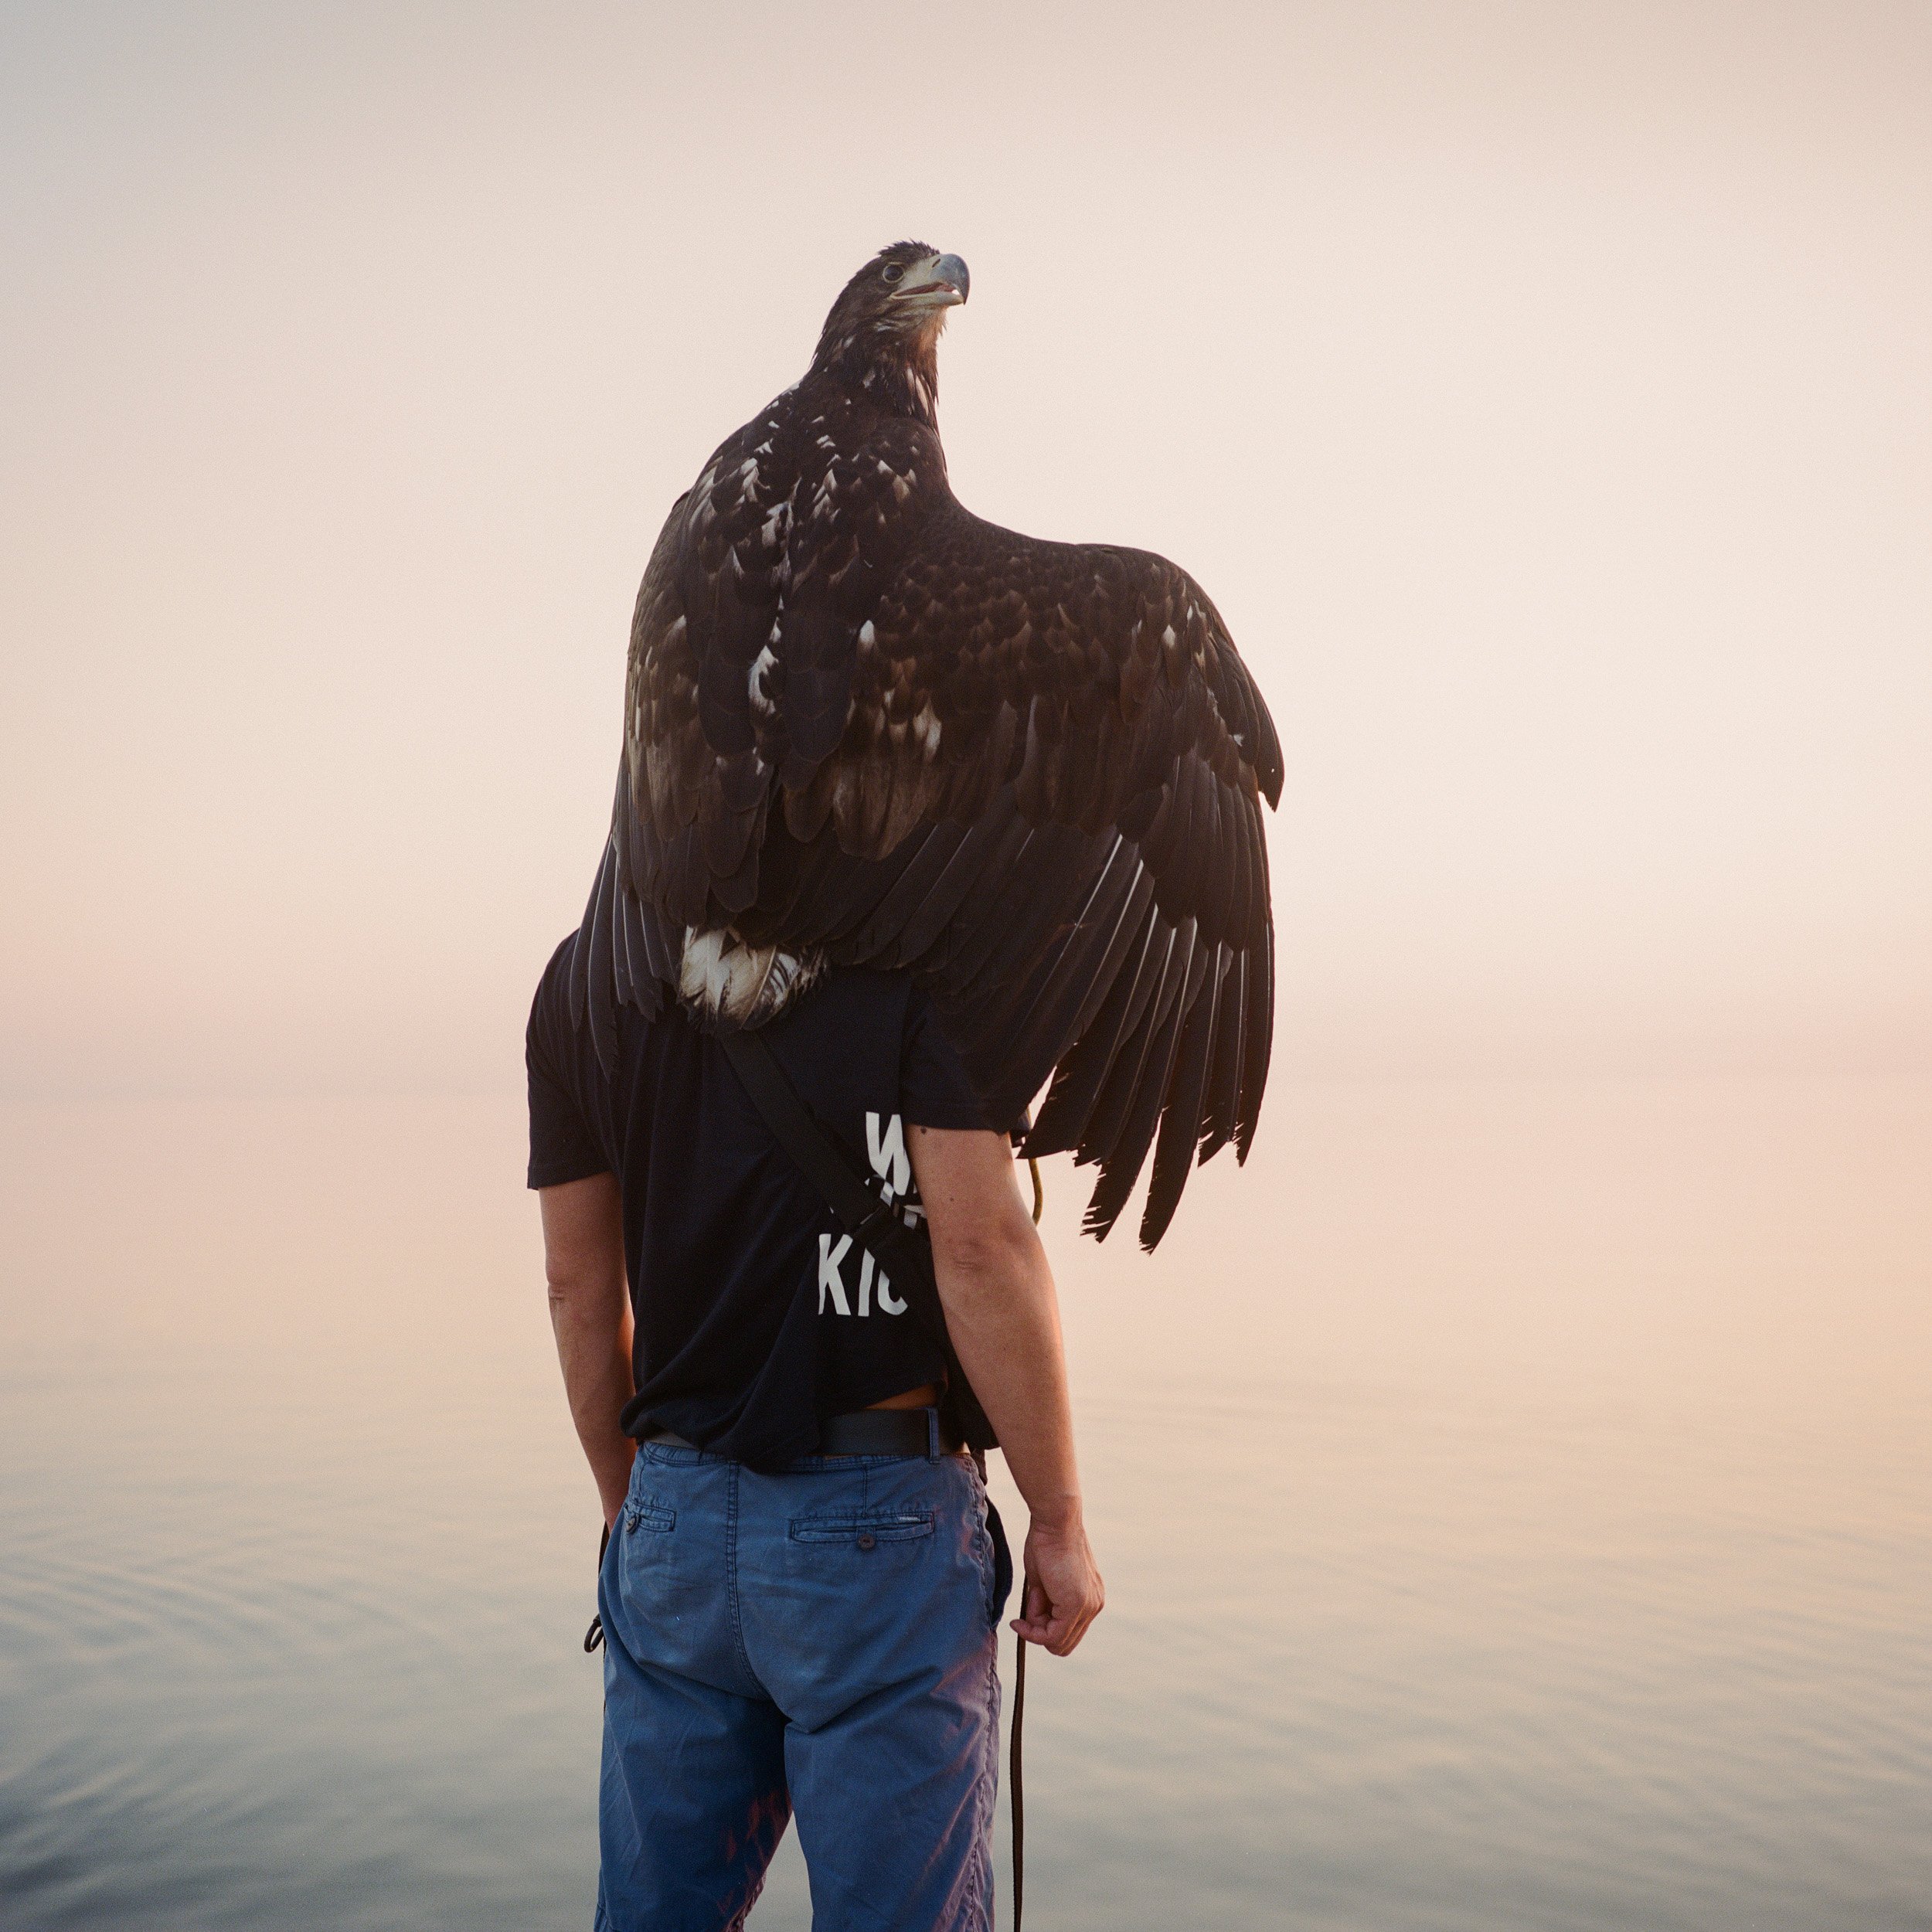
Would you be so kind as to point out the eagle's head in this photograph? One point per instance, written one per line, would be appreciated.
(889, 316)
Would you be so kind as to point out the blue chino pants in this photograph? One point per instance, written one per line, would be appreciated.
(819, 1641)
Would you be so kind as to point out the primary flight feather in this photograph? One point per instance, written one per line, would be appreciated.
(861, 726)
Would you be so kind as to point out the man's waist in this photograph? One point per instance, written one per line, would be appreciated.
(863, 1432)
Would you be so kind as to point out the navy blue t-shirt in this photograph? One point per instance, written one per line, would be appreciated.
(756, 1316)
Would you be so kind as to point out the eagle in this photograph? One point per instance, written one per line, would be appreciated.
(864, 727)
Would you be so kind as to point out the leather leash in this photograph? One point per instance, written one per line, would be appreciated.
(1013, 1778)
(1015, 1794)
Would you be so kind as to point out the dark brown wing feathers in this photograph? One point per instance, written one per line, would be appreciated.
(859, 719)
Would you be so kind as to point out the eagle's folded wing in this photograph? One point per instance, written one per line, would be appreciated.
(1032, 772)
(1047, 800)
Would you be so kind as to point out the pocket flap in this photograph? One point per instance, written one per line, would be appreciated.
(847, 1526)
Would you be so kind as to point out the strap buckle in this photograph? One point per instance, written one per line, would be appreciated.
(884, 1216)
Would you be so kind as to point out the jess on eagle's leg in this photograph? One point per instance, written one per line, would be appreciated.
(916, 819)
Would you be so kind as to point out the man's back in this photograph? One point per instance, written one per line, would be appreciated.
(756, 1318)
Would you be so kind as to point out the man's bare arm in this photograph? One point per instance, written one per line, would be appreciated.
(591, 1312)
(1004, 1318)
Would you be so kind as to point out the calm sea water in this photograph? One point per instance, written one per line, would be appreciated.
(1516, 1501)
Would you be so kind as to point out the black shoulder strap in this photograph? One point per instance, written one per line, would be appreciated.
(873, 1222)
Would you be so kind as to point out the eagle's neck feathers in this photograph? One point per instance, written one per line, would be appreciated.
(887, 372)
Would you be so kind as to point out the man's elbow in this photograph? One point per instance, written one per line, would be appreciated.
(989, 1254)
(575, 1293)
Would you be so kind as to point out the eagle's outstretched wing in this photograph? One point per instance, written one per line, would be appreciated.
(868, 724)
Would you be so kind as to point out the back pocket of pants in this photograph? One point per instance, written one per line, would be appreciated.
(854, 1527)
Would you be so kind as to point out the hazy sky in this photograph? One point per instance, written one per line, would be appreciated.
(1543, 392)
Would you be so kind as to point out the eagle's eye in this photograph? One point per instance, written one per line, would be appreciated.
(892, 271)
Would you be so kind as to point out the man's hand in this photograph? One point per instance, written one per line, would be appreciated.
(1063, 1592)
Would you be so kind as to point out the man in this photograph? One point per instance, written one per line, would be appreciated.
(799, 1599)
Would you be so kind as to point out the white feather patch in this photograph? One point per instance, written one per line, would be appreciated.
(761, 704)
(744, 985)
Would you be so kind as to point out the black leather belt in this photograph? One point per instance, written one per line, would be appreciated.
(862, 1432)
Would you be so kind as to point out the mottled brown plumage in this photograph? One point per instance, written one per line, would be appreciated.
(863, 725)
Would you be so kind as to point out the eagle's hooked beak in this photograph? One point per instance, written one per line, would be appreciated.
(941, 282)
